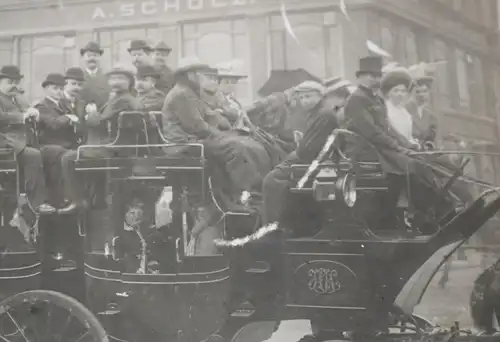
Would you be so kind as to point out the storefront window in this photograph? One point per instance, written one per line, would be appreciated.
(462, 61)
(42, 55)
(408, 41)
(218, 42)
(316, 49)
(476, 86)
(6, 46)
(439, 52)
(387, 36)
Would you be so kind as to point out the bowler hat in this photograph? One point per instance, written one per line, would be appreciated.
(75, 73)
(370, 65)
(193, 63)
(10, 71)
(397, 76)
(54, 79)
(147, 71)
(139, 45)
(161, 46)
(92, 47)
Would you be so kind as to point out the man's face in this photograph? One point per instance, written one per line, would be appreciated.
(140, 57)
(371, 81)
(144, 84)
(91, 59)
(308, 99)
(228, 85)
(118, 82)
(9, 86)
(73, 87)
(333, 100)
(160, 57)
(54, 91)
(422, 94)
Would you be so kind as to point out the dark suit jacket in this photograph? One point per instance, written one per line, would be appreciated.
(55, 127)
(95, 89)
(12, 128)
(367, 114)
(166, 81)
(425, 126)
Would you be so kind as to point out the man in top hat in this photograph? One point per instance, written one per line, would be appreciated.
(95, 89)
(166, 82)
(424, 120)
(140, 51)
(102, 128)
(13, 134)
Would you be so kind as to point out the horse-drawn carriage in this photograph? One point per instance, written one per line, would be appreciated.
(146, 279)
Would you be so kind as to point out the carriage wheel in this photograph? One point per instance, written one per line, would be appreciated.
(47, 316)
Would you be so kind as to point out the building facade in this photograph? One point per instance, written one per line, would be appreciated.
(46, 35)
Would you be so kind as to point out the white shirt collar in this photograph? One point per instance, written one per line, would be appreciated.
(92, 72)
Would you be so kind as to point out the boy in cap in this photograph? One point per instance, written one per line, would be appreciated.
(95, 89)
(166, 80)
(102, 127)
(13, 135)
(149, 97)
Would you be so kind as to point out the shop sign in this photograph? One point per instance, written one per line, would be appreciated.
(158, 7)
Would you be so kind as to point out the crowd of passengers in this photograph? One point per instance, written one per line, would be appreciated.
(253, 146)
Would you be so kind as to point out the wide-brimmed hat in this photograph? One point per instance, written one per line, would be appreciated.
(139, 44)
(11, 71)
(370, 65)
(309, 86)
(92, 47)
(161, 46)
(123, 69)
(231, 69)
(53, 79)
(421, 74)
(338, 85)
(75, 73)
(147, 71)
(395, 77)
(193, 63)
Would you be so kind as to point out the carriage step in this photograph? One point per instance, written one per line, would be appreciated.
(259, 267)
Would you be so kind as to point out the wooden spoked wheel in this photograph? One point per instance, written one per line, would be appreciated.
(47, 316)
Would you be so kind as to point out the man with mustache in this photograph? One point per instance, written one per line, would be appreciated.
(95, 89)
(13, 134)
(160, 53)
(102, 129)
(140, 51)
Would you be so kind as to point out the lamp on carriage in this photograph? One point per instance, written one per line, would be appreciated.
(330, 186)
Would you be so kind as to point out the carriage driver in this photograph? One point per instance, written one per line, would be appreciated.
(325, 107)
(13, 115)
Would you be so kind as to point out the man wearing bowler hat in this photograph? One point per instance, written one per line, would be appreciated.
(160, 53)
(101, 128)
(13, 134)
(140, 51)
(95, 89)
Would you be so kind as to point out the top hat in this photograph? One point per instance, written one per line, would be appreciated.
(54, 79)
(147, 71)
(370, 65)
(395, 77)
(139, 45)
(161, 46)
(10, 71)
(92, 47)
(75, 73)
(193, 63)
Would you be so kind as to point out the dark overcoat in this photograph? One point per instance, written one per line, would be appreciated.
(12, 128)
(55, 126)
(367, 115)
(95, 89)
(424, 125)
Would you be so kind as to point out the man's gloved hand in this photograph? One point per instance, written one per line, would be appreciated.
(91, 108)
(31, 113)
(73, 118)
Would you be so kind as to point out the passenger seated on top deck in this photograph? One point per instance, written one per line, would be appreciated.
(59, 126)
(327, 106)
(150, 99)
(13, 113)
(188, 119)
(367, 112)
(102, 129)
